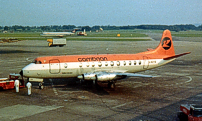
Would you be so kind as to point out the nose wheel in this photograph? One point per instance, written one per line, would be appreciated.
(41, 85)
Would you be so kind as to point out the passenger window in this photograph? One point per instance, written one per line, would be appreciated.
(112, 63)
(124, 63)
(93, 64)
(87, 64)
(129, 62)
(139, 62)
(65, 65)
(80, 65)
(134, 62)
(99, 64)
(118, 63)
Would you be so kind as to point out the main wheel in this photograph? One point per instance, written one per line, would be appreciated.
(95, 83)
(111, 85)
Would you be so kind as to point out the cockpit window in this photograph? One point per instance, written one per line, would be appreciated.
(37, 62)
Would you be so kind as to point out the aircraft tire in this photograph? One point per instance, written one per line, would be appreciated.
(82, 81)
(41, 86)
(95, 82)
(111, 85)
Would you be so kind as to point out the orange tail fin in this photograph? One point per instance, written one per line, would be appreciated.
(165, 46)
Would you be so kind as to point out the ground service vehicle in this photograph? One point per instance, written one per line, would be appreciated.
(56, 42)
(190, 112)
(9, 83)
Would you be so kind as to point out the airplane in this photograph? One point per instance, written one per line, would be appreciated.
(56, 34)
(103, 68)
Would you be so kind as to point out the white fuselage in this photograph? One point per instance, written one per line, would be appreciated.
(55, 34)
(74, 69)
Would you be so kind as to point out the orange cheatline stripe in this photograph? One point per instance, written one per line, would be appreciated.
(94, 58)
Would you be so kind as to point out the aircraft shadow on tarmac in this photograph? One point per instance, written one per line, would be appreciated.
(73, 84)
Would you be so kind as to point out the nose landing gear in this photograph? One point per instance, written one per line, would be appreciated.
(41, 85)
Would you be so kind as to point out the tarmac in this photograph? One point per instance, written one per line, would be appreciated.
(159, 98)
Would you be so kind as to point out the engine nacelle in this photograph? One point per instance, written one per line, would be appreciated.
(88, 77)
(106, 77)
(101, 77)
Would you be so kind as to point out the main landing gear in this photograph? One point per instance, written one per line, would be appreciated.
(112, 84)
(95, 83)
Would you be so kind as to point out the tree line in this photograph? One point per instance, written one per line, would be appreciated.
(59, 28)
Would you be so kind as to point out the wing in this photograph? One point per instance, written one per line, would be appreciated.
(137, 75)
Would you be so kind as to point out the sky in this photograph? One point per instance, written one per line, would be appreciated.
(99, 12)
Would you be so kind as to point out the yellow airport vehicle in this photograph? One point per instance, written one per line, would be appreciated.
(56, 42)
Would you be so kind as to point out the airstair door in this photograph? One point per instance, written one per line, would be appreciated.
(54, 66)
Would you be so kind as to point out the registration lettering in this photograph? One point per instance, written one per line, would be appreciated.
(67, 72)
(152, 61)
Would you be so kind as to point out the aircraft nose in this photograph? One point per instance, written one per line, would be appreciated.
(21, 73)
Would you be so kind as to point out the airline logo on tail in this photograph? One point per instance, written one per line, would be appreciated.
(166, 43)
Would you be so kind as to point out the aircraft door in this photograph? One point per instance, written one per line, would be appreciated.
(54, 66)
(145, 62)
